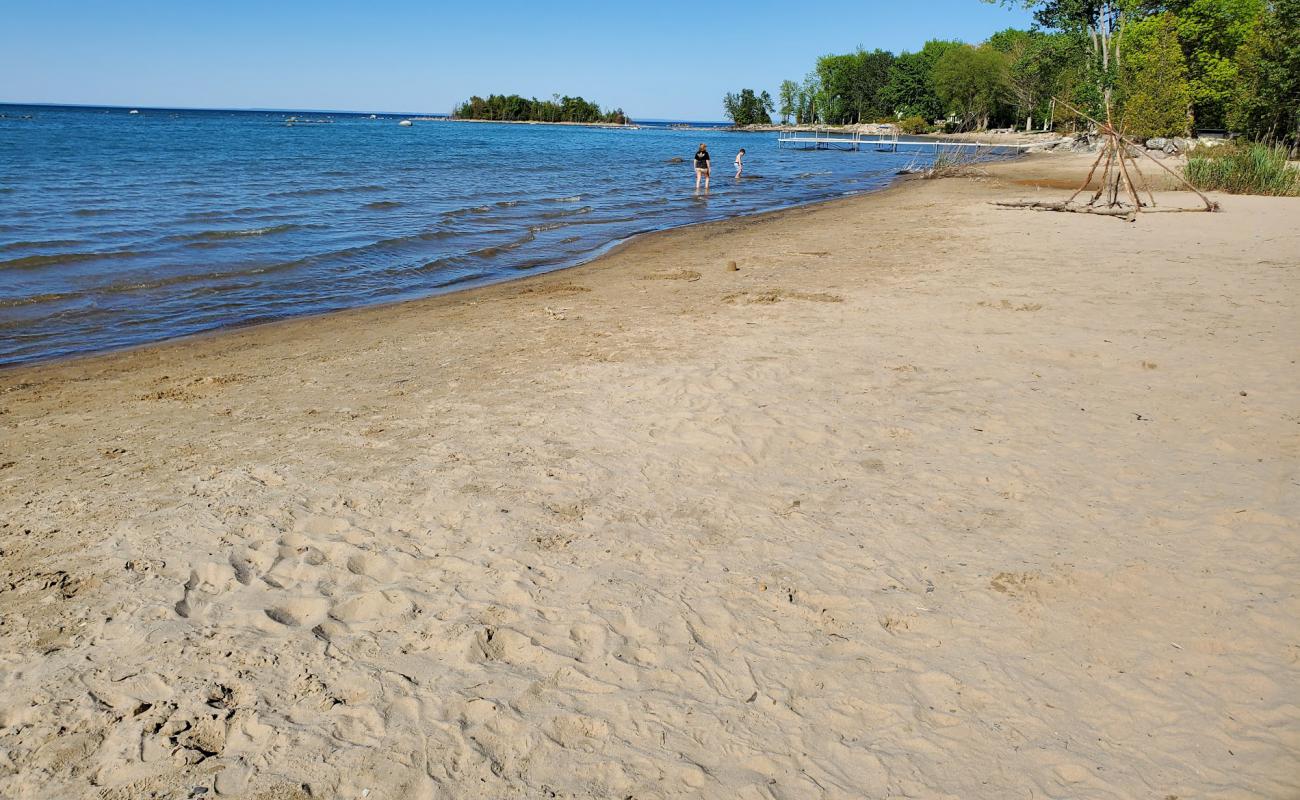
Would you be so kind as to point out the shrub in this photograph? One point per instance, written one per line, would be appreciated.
(951, 163)
(913, 125)
(1252, 168)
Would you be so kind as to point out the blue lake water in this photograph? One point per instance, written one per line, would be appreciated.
(118, 229)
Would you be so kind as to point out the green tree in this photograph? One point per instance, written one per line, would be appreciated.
(1267, 104)
(1102, 22)
(851, 87)
(971, 81)
(1029, 70)
(789, 95)
(867, 84)
(1041, 66)
(835, 77)
(748, 108)
(910, 89)
(1211, 32)
(1154, 91)
(513, 108)
(808, 94)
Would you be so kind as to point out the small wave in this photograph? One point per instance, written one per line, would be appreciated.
(506, 203)
(54, 259)
(35, 299)
(27, 245)
(199, 216)
(472, 276)
(218, 236)
(94, 212)
(399, 243)
(224, 280)
(382, 205)
(575, 221)
(532, 263)
(492, 251)
(568, 212)
(574, 199)
(460, 212)
(429, 266)
(330, 190)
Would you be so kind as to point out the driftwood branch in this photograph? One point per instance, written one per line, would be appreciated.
(1124, 212)
(1116, 178)
(1100, 155)
(1105, 211)
(1210, 205)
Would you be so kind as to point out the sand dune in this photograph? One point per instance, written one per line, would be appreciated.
(925, 499)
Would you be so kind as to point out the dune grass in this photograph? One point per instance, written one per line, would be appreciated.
(1250, 168)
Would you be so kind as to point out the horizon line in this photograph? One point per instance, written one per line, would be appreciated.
(272, 109)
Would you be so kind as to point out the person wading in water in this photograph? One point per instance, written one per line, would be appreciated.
(702, 167)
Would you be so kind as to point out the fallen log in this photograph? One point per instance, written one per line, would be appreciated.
(1123, 212)
(1105, 211)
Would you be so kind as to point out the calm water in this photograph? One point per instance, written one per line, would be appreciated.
(118, 229)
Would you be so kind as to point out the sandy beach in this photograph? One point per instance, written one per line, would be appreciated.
(924, 498)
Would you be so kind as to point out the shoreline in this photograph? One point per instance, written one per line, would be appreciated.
(617, 125)
(603, 251)
(919, 486)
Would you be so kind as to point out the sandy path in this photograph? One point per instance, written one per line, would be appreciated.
(927, 499)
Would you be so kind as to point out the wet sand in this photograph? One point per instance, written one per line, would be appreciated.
(924, 499)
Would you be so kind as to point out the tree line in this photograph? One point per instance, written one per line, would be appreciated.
(513, 108)
(1162, 67)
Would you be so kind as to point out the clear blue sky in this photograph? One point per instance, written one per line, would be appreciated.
(668, 59)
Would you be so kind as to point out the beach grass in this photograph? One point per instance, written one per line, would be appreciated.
(1253, 168)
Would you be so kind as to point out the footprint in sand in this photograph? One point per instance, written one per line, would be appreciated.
(299, 611)
(249, 563)
(1017, 584)
(678, 275)
(1007, 305)
(206, 582)
(777, 295)
(372, 606)
(554, 290)
(371, 566)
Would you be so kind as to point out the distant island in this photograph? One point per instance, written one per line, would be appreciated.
(513, 108)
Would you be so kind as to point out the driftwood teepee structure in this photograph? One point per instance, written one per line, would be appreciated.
(1122, 181)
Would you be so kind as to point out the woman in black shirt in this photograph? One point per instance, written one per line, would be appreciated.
(702, 167)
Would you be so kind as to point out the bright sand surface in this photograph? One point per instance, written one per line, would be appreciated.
(927, 499)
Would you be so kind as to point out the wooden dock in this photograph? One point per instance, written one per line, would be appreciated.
(894, 144)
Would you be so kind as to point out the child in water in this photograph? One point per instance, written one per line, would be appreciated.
(740, 162)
